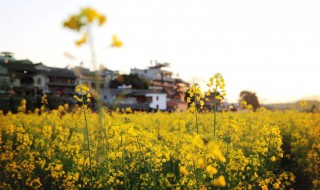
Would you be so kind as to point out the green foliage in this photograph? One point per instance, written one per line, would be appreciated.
(132, 79)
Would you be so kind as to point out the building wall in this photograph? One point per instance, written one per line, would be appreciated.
(159, 101)
(154, 75)
(40, 78)
(3, 70)
(16, 82)
(147, 74)
(4, 81)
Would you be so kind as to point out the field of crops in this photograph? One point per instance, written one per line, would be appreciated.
(251, 150)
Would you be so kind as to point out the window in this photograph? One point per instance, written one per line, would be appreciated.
(39, 81)
(157, 97)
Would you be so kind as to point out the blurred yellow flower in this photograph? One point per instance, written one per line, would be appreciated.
(184, 171)
(73, 22)
(220, 181)
(276, 185)
(211, 171)
(201, 103)
(303, 103)
(82, 89)
(198, 141)
(116, 42)
(102, 19)
(201, 163)
(82, 40)
(90, 14)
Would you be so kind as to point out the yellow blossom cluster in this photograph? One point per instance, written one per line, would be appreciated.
(44, 99)
(216, 87)
(86, 16)
(83, 21)
(84, 94)
(195, 98)
(245, 106)
(23, 106)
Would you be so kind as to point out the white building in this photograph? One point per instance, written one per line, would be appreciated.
(158, 101)
(137, 99)
(157, 77)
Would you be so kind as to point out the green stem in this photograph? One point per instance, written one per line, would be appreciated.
(215, 118)
(88, 140)
(229, 136)
(123, 163)
(196, 112)
(196, 174)
(197, 120)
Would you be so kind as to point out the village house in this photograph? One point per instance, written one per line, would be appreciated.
(137, 99)
(24, 78)
(175, 88)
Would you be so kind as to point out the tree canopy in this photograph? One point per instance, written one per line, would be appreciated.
(251, 98)
(132, 79)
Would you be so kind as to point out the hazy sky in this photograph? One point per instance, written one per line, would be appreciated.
(269, 47)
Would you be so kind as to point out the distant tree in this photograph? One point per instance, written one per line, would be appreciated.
(251, 98)
(116, 82)
(132, 79)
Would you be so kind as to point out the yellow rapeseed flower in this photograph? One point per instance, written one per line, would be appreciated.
(211, 171)
(184, 171)
(198, 141)
(82, 89)
(102, 19)
(276, 185)
(116, 42)
(83, 40)
(220, 181)
(201, 163)
(90, 14)
(303, 103)
(73, 22)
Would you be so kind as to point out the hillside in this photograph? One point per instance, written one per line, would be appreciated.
(293, 105)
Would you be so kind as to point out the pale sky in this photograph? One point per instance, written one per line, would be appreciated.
(268, 47)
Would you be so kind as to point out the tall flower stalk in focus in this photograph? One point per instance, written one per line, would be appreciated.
(216, 88)
(194, 99)
(84, 99)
